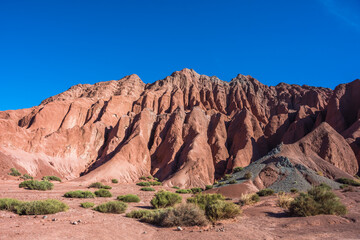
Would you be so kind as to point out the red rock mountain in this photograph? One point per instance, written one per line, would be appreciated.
(187, 129)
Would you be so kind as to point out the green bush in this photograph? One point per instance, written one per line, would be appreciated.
(221, 184)
(48, 206)
(248, 175)
(248, 199)
(142, 178)
(175, 187)
(265, 192)
(87, 204)
(99, 185)
(14, 172)
(149, 177)
(114, 180)
(348, 181)
(202, 200)
(112, 207)
(318, 200)
(129, 198)
(227, 177)
(147, 189)
(155, 179)
(196, 190)
(26, 177)
(79, 194)
(149, 216)
(51, 178)
(103, 193)
(237, 169)
(144, 184)
(232, 181)
(294, 190)
(207, 187)
(36, 185)
(165, 199)
(155, 183)
(221, 210)
(183, 191)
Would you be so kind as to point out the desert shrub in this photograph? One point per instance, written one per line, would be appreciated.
(103, 193)
(51, 178)
(237, 169)
(9, 204)
(147, 189)
(155, 217)
(221, 210)
(248, 199)
(114, 180)
(184, 215)
(149, 177)
(14, 172)
(196, 190)
(227, 177)
(129, 198)
(36, 185)
(284, 200)
(142, 178)
(318, 200)
(48, 206)
(207, 187)
(202, 200)
(232, 181)
(106, 187)
(348, 181)
(87, 204)
(183, 191)
(79, 194)
(99, 185)
(325, 186)
(165, 199)
(155, 179)
(26, 177)
(248, 175)
(221, 184)
(347, 188)
(112, 207)
(175, 187)
(342, 186)
(320, 173)
(294, 190)
(265, 192)
(155, 183)
(144, 184)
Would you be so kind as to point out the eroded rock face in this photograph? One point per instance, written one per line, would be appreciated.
(187, 129)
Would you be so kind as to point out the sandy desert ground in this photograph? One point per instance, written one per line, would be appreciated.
(263, 220)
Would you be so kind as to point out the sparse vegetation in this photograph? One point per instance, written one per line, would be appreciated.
(144, 184)
(129, 198)
(221, 210)
(114, 180)
(36, 185)
(202, 200)
(232, 181)
(347, 188)
(248, 175)
(149, 177)
(79, 194)
(265, 192)
(26, 177)
(112, 207)
(51, 178)
(237, 169)
(14, 172)
(175, 187)
(99, 185)
(155, 183)
(348, 181)
(294, 190)
(284, 200)
(165, 199)
(227, 177)
(207, 187)
(196, 190)
(48, 206)
(103, 193)
(318, 200)
(147, 189)
(183, 191)
(142, 178)
(87, 204)
(248, 199)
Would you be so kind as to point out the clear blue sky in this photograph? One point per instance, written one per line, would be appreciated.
(48, 46)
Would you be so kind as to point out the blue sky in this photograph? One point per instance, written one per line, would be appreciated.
(48, 46)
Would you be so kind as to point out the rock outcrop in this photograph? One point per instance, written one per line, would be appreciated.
(187, 129)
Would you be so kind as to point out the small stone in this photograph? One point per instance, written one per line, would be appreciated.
(79, 221)
(54, 219)
(179, 229)
(44, 217)
(144, 232)
(74, 223)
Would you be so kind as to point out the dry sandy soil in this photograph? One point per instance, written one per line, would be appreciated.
(261, 221)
